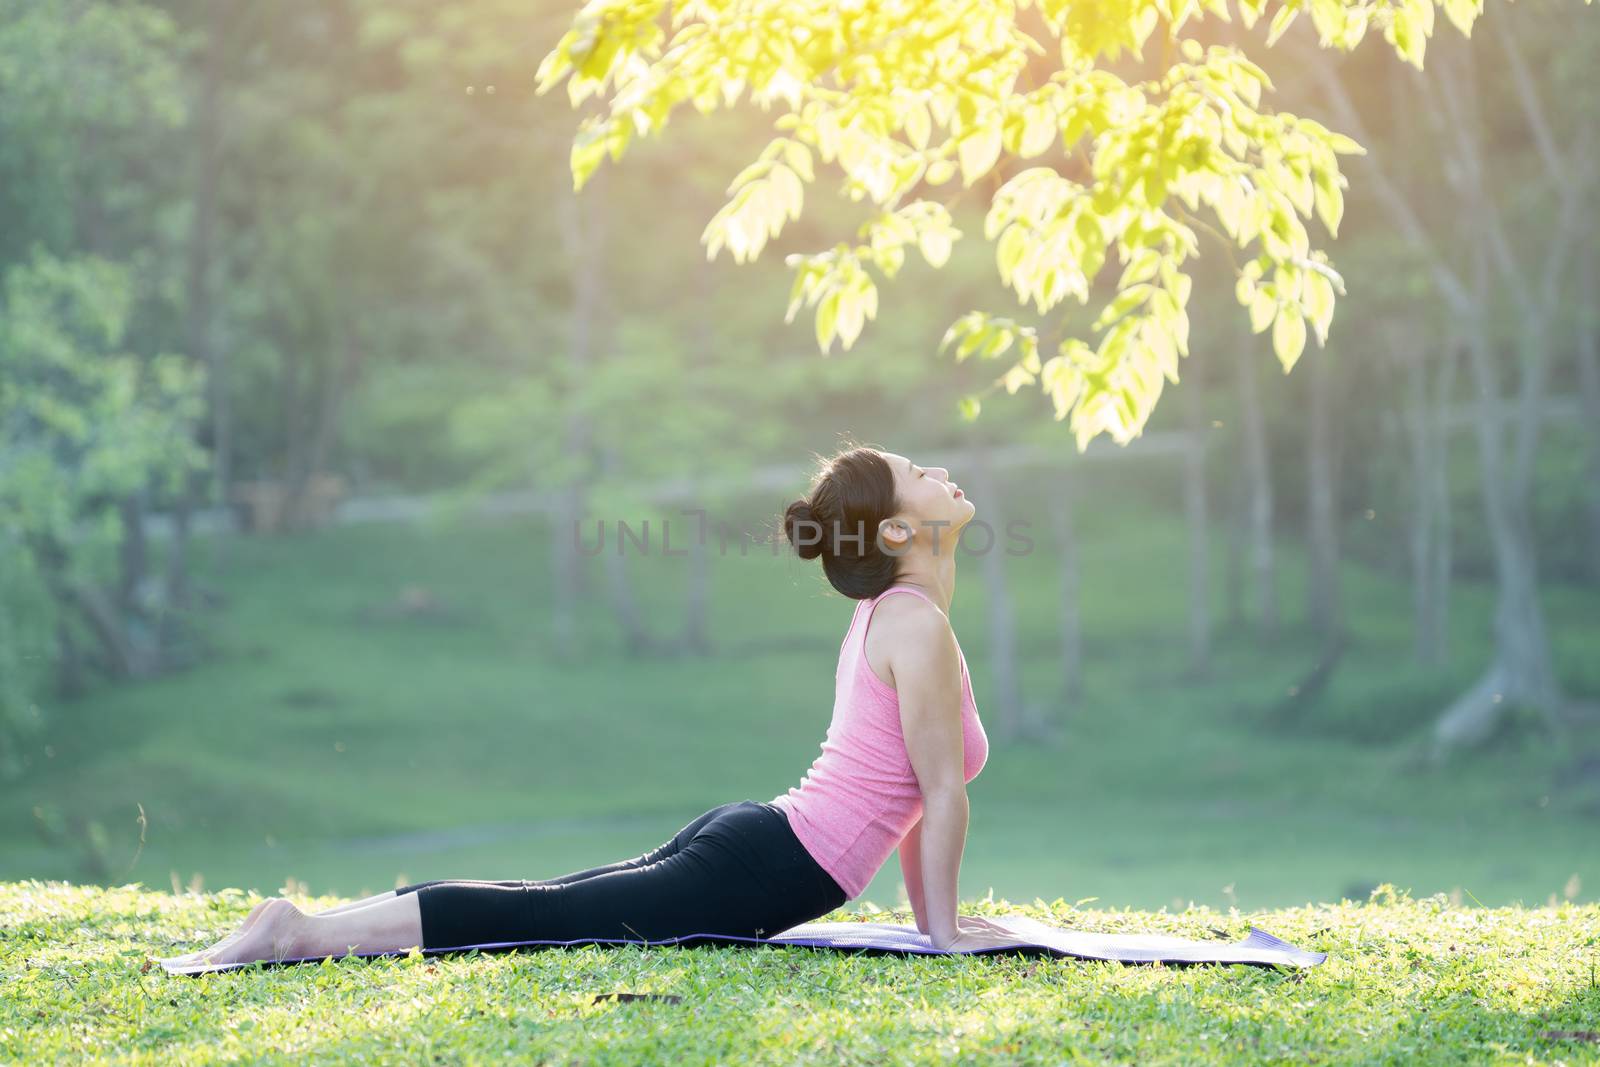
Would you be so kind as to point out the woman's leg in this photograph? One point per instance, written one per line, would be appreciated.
(284, 932)
(655, 855)
(741, 873)
(393, 921)
(671, 846)
(354, 904)
(215, 950)
(661, 852)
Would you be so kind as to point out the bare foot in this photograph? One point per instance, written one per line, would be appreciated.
(268, 934)
(249, 921)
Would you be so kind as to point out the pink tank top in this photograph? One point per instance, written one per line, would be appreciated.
(861, 797)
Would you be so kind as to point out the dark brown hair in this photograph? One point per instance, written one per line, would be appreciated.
(838, 519)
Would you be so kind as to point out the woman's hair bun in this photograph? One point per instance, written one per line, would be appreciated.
(839, 518)
(804, 532)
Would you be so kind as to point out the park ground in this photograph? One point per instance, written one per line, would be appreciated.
(338, 745)
(1406, 981)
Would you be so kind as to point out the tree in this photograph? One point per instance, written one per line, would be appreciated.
(1257, 487)
(90, 431)
(1480, 271)
(84, 427)
(906, 97)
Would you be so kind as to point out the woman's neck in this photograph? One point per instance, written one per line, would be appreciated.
(934, 575)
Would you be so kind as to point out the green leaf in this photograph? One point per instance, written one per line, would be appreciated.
(797, 292)
(1263, 306)
(1280, 23)
(1318, 297)
(1016, 378)
(1463, 13)
(852, 317)
(1124, 302)
(970, 406)
(1288, 335)
(1002, 340)
(1345, 146)
(1330, 201)
(1038, 130)
(827, 316)
(917, 124)
(934, 244)
(1030, 353)
(978, 151)
(1009, 250)
(970, 344)
(799, 159)
(791, 194)
(1141, 268)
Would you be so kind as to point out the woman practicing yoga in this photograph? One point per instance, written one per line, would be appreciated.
(903, 742)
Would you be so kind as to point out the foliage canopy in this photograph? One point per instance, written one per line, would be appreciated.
(904, 97)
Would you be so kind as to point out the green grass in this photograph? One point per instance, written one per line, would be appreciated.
(332, 751)
(1407, 981)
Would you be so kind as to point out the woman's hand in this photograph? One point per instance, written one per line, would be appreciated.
(975, 932)
(979, 923)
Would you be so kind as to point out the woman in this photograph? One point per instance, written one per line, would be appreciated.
(904, 740)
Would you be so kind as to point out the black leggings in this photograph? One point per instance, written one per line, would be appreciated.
(737, 869)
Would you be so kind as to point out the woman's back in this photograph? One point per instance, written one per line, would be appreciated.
(861, 796)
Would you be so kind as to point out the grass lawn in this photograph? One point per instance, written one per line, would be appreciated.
(1407, 981)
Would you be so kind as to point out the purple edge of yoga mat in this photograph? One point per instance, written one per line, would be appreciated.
(1257, 938)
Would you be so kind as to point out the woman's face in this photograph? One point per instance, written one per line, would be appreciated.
(928, 497)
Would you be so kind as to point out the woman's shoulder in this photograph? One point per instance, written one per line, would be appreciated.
(902, 628)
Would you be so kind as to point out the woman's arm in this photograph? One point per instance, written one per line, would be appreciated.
(927, 677)
(911, 870)
(944, 815)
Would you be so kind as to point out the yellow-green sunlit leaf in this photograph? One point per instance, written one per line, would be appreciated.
(1288, 335)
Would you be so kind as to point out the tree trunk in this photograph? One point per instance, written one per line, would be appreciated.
(199, 313)
(581, 236)
(1428, 526)
(198, 306)
(293, 424)
(1002, 661)
(1061, 503)
(133, 552)
(1195, 509)
(636, 639)
(125, 655)
(697, 608)
(177, 600)
(1258, 479)
(1233, 575)
(71, 675)
(1522, 671)
(125, 649)
(1588, 352)
(1322, 518)
(620, 593)
(326, 402)
(619, 585)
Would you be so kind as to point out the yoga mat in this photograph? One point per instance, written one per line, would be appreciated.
(1259, 948)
